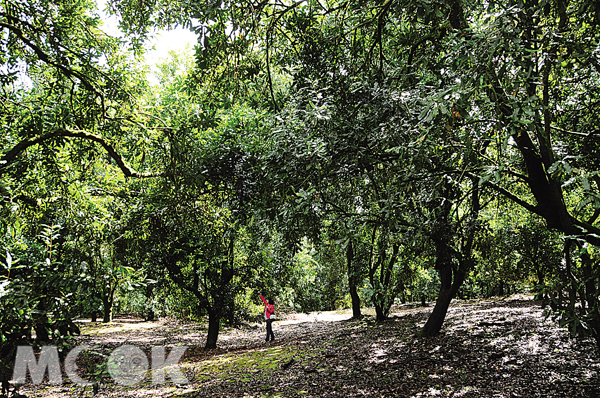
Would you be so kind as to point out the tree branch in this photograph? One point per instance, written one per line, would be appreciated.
(267, 47)
(571, 132)
(12, 154)
(46, 58)
(507, 194)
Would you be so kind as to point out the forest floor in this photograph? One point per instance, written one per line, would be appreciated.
(492, 348)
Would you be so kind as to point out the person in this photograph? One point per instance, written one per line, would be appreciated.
(269, 311)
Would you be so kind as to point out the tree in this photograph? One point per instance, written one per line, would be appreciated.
(197, 214)
(527, 82)
(74, 94)
(379, 104)
(197, 249)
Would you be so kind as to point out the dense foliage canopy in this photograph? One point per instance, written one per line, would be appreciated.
(327, 153)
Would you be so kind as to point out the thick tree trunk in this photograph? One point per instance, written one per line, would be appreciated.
(438, 315)
(213, 329)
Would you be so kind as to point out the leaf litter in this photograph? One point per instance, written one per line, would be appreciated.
(488, 348)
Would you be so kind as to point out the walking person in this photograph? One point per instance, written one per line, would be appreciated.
(269, 317)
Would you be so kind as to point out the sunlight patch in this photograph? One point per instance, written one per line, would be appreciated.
(117, 327)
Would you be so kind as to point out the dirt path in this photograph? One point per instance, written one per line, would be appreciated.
(502, 348)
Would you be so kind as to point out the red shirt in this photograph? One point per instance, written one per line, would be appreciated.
(269, 308)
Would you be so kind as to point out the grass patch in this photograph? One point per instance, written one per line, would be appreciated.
(95, 329)
(243, 366)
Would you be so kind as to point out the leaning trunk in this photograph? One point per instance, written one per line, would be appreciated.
(448, 289)
(437, 316)
(451, 275)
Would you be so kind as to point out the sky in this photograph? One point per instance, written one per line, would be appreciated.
(170, 40)
(163, 41)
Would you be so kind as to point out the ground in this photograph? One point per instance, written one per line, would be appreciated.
(493, 348)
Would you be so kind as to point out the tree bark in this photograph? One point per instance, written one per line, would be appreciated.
(438, 315)
(379, 313)
(42, 323)
(448, 288)
(352, 282)
(452, 275)
(383, 308)
(214, 319)
(356, 314)
(107, 310)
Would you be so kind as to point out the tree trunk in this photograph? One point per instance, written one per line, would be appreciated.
(352, 282)
(380, 314)
(149, 293)
(213, 329)
(150, 316)
(541, 279)
(437, 316)
(94, 316)
(356, 314)
(383, 308)
(41, 330)
(448, 289)
(42, 323)
(451, 275)
(107, 310)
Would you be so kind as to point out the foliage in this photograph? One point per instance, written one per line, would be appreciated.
(396, 113)
(316, 278)
(306, 149)
(37, 293)
(578, 276)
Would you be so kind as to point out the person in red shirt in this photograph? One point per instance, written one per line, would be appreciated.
(269, 311)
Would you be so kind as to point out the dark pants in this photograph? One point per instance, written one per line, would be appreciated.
(270, 330)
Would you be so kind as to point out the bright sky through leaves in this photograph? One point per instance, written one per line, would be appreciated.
(159, 46)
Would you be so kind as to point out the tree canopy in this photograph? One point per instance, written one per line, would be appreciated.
(377, 151)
